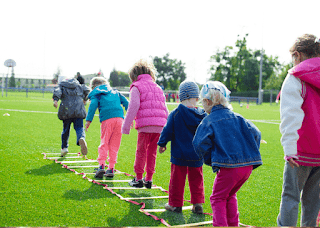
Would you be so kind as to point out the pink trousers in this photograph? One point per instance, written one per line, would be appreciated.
(146, 155)
(110, 141)
(224, 199)
(177, 183)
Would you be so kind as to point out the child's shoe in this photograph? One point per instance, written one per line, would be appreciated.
(100, 172)
(171, 208)
(64, 151)
(109, 173)
(197, 208)
(136, 183)
(147, 184)
(83, 145)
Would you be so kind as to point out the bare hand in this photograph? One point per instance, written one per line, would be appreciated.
(162, 149)
(55, 104)
(87, 125)
(292, 163)
(132, 125)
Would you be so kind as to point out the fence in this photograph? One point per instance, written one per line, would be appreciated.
(27, 92)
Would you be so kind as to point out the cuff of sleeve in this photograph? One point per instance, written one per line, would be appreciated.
(125, 131)
(294, 157)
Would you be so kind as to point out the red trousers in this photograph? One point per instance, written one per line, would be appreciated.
(146, 155)
(177, 183)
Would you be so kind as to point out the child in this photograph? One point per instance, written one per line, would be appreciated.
(230, 144)
(180, 129)
(147, 106)
(109, 102)
(71, 110)
(300, 129)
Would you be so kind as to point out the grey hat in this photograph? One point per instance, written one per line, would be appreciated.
(187, 90)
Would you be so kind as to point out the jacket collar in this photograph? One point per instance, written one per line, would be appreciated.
(217, 107)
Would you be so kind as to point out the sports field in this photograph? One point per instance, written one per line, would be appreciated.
(39, 192)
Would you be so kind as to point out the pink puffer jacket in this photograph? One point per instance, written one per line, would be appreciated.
(152, 111)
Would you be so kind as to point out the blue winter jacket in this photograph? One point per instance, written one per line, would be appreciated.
(226, 139)
(181, 126)
(108, 101)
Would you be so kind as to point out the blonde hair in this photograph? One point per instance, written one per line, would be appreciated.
(218, 98)
(97, 81)
(307, 44)
(142, 67)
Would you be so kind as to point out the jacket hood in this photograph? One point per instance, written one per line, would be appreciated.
(102, 89)
(69, 83)
(191, 116)
(308, 71)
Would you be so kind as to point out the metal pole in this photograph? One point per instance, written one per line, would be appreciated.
(260, 78)
(7, 85)
(2, 83)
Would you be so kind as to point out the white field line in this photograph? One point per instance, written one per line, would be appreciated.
(16, 110)
(266, 121)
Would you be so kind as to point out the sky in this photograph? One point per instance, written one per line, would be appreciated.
(87, 36)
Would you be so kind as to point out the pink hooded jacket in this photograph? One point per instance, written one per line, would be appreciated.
(308, 144)
(152, 111)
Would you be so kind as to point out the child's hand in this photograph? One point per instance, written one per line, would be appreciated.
(55, 104)
(292, 163)
(132, 125)
(87, 125)
(162, 149)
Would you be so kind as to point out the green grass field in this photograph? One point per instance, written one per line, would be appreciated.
(38, 192)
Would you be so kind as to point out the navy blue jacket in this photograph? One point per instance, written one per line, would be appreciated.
(181, 126)
(226, 139)
(108, 101)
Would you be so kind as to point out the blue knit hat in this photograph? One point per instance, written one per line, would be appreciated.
(187, 90)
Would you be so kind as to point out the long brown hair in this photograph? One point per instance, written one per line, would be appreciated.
(307, 44)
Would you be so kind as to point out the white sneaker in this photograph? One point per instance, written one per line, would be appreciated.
(64, 151)
(83, 145)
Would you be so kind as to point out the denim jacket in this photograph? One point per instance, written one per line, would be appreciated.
(226, 139)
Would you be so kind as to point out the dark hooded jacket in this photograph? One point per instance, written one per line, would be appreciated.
(72, 95)
(180, 129)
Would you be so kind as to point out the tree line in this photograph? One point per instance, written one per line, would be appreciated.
(238, 67)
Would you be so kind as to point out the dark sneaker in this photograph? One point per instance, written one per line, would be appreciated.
(83, 145)
(109, 173)
(147, 184)
(135, 183)
(100, 172)
(197, 208)
(171, 208)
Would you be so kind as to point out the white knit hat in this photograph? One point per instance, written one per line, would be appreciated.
(187, 90)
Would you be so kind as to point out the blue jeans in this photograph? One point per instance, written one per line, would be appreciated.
(78, 127)
(305, 179)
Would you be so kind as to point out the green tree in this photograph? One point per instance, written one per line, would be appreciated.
(239, 68)
(12, 81)
(119, 78)
(276, 80)
(170, 72)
